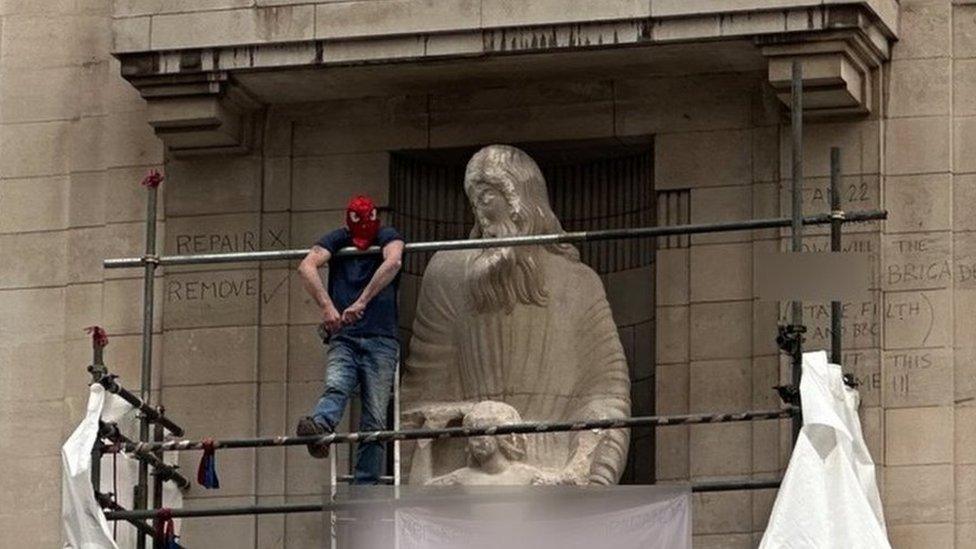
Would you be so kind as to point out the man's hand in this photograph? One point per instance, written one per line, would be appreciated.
(308, 269)
(331, 319)
(353, 313)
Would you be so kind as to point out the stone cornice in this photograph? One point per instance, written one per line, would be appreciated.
(844, 38)
(736, 20)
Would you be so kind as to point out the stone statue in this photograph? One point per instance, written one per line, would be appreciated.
(529, 326)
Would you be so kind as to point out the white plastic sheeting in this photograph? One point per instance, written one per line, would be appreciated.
(829, 497)
(82, 519)
(83, 522)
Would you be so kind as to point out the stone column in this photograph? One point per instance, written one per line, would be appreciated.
(706, 157)
(922, 292)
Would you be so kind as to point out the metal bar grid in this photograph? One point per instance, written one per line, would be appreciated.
(648, 232)
(150, 262)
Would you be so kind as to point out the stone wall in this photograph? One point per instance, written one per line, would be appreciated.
(75, 145)
(928, 256)
(236, 351)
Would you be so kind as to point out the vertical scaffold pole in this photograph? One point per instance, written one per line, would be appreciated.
(836, 222)
(396, 427)
(96, 369)
(158, 541)
(333, 490)
(141, 498)
(797, 218)
(397, 479)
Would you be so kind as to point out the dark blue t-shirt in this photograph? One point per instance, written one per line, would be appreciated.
(348, 277)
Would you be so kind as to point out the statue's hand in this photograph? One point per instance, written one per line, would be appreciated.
(412, 419)
(547, 478)
(576, 471)
(558, 478)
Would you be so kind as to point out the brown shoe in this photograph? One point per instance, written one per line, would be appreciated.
(309, 427)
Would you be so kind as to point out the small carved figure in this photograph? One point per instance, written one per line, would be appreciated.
(499, 459)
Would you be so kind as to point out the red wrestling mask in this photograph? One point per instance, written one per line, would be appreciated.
(362, 221)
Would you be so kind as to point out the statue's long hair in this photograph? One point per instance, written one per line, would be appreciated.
(502, 277)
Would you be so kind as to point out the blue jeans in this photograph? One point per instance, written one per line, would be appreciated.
(370, 363)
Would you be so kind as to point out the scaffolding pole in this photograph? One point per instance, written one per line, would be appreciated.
(836, 225)
(460, 432)
(479, 243)
(432, 498)
(141, 495)
(796, 323)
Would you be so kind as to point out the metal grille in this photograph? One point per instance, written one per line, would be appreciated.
(428, 203)
(674, 208)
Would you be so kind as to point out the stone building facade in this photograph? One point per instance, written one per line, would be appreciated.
(265, 115)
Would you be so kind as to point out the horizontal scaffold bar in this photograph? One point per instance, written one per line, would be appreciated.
(459, 432)
(431, 498)
(533, 240)
(385, 479)
(107, 502)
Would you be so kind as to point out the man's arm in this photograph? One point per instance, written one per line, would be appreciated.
(308, 269)
(387, 271)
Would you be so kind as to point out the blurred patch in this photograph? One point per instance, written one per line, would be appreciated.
(815, 276)
(512, 517)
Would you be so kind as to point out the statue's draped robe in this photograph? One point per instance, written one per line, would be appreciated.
(558, 362)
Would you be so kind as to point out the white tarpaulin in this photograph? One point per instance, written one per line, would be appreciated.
(829, 496)
(83, 522)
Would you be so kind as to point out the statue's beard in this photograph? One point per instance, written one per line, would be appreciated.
(498, 278)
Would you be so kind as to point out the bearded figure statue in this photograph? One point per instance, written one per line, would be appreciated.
(528, 326)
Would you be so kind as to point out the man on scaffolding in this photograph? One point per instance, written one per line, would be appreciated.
(362, 339)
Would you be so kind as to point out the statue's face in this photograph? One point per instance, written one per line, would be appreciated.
(491, 210)
(482, 448)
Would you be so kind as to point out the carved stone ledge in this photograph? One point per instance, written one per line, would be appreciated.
(838, 71)
(202, 113)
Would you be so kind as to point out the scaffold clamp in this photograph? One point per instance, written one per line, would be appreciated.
(790, 338)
